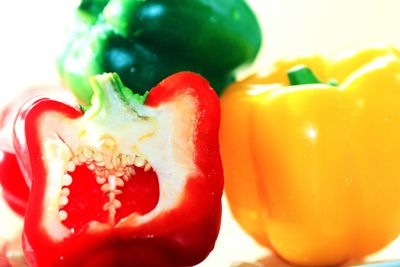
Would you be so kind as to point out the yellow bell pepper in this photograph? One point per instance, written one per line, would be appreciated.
(312, 171)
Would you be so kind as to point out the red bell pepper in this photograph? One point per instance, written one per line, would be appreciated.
(123, 183)
(14, 189)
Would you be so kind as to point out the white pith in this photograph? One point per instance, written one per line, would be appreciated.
(164, 140)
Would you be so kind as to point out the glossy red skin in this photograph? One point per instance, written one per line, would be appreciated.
(15, 190)
(183, 236)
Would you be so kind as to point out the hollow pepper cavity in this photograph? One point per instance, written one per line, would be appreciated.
(312, 168)
(123, 183)
(145, 41)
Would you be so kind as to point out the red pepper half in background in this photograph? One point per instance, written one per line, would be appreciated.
(14, 189)
(124, 184)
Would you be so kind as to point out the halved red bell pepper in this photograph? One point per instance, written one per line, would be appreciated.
(123, 183)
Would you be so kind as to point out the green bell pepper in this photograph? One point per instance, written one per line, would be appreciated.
(146, 41)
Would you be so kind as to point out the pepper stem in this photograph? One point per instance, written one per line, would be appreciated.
(109, 91)
(302, 75)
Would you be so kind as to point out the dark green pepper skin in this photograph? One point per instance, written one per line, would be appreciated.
(88, 10)
(146, 41)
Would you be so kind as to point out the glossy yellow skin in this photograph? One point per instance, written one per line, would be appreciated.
(313, 171)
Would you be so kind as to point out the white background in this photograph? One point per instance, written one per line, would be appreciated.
(32, 32)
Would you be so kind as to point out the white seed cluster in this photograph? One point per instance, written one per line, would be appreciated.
(112, 171)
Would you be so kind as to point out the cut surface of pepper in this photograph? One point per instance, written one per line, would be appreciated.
(13, 185)
(124, 183)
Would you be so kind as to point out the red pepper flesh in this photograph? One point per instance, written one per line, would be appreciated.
(14, 189)
(94, 202)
